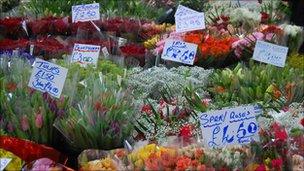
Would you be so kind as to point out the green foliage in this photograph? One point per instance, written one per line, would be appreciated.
(102, 120)
(266, 84)
(109, 7)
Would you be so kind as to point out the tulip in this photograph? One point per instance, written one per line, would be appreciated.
(38, 120)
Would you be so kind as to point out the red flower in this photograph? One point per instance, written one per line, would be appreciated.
(277, 163)
(146, 109)
(261, 167)
(186, 131)
(279, 132)
(136, 51)
(264, 17)
(302, 122)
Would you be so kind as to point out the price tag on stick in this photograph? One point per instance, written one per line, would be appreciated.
(179, 51)
(48, 77)
(85, 54)
(270, 53)
(231, 126)
(88, 12)
(4, 162)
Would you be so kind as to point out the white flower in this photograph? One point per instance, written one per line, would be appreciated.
(291, 30)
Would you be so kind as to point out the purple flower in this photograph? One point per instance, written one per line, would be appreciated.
(60, 113)
(24, 123)
(38, 120)
(10, 127)
(115, 127)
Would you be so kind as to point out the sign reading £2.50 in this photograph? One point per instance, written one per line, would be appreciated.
(87, 12)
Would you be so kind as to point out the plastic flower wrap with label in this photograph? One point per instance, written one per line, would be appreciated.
(265, 84)
(102, 119)
(27, 113)
(166, 118)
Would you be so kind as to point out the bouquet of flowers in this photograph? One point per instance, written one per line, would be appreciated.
(258, 83)
(103, 160)
(103, 119)
(26, 113)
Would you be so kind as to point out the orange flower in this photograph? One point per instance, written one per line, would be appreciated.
(289, 88)
(183, 163)
(220, 89)
(195, 38)
(277, 93)
(198, 153)
(11, 86)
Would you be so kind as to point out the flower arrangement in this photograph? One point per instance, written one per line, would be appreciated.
(294, 36)
(296, 60)
(26, 113)
(106, 106)
(259, 83)
(149, 83)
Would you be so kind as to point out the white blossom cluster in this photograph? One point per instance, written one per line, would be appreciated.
(244, 15)
(231, 156)
(289, 119)
(149, 83)
(292, 30)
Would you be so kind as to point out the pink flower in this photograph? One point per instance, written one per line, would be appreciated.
(24, 123)
(10, 127)
(38, 120)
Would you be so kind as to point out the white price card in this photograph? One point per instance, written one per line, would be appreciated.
(179, 51)
(231, 126)
(190, 22)
(4, 162)
(270, 53)
(86, 12)
(48, 77)
(187, 19)
(183, 11)
(85, 54)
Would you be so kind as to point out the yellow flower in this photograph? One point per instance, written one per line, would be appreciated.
(251, 167)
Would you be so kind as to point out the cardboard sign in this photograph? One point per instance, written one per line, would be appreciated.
(179, 51)
(231, 126)
(88, 12)
(105, 52)
(85, 54)
(190, 22)
(182, 11)
(48, 77)
(270, 53)
(4, 162)
(187, 19)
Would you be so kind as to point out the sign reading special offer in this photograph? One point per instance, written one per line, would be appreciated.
(84, 54)
(231, 126)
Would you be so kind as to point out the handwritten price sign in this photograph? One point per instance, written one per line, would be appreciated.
(187, 19)
(230, 126)
(48, 77)
(4, 162)
(190, 22)
(85, 54)
(88, 12)
(179, 51)
(270, 53)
